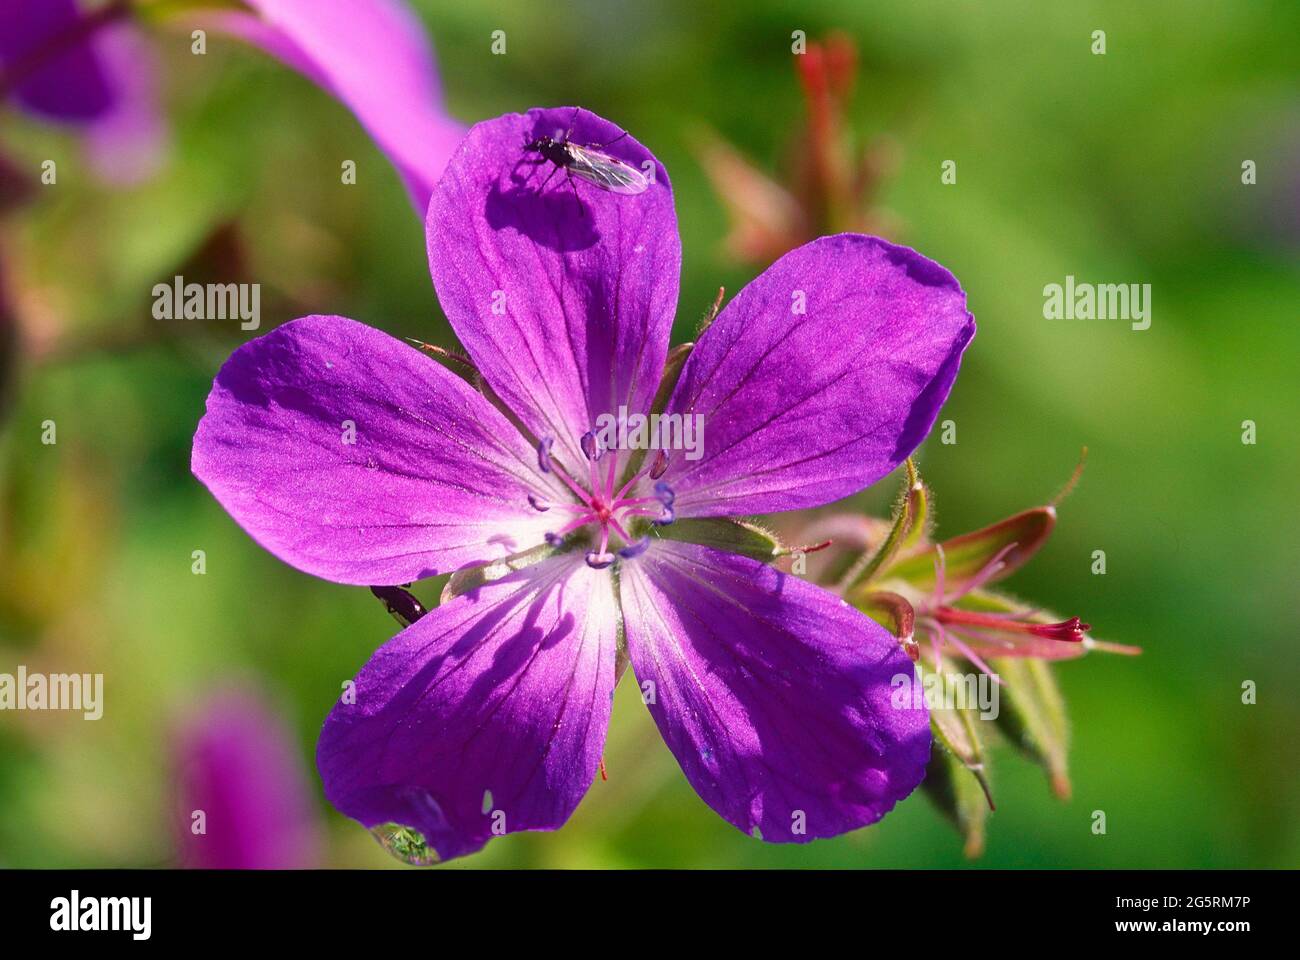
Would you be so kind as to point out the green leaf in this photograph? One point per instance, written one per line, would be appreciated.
(968, 554)
(723, 533)
(1032, 715)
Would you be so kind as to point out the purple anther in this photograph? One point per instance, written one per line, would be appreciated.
(544, 454)
(665, 518)
(537, 504)
(665, 493)
(590, 448)
(635, 549)
(599, 561)
(659, 465)
(554, 539)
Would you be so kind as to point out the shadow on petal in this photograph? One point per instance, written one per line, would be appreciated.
(557, 218)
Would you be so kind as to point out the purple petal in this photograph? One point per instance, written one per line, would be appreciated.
(563, 297)
(804, 408)
(486, 716)
(774, 695)
(437, 479)
(238, 764)
(126, 143)
(374, 56)
(71, 87)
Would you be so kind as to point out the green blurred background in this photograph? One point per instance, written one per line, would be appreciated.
(1117, 168)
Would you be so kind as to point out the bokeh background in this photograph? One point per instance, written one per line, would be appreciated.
(1117, 168)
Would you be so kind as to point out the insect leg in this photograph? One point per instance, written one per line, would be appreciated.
(582, 210)
(531, 162)
(548, 179)
(602, 146)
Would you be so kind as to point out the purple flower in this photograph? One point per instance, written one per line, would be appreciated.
(242, 801)
(89, 69)
(372, 55)
(95, 70)
(354, 457)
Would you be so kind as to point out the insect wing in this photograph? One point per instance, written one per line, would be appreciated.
(606, 172)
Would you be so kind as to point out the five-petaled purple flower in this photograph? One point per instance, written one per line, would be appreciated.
(354, 457)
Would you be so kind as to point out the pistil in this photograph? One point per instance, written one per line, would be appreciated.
(601, 506)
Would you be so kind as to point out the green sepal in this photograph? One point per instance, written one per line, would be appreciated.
(911, 504)
(1032, 716)
(893, 612)
(958, 796)
(727, 535)
(968, 554)
(954, 729)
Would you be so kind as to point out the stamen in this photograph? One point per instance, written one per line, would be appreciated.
(599, 561)
(659, 465)
(590, 448)
(986, 572)
(555, 537)
(618, 528)
(635, 549)
(665, 518)
(537, 504)
(546, 466)
(665, 493)
(940, 570)
(967, 652)
(636, 501)
(609, 478)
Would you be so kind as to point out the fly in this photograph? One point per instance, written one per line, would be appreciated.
(589, 163)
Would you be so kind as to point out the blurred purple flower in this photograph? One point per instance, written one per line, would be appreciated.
(488, 715)
(237, 765)
(93, 69)
(373, 56)
(89, 69)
